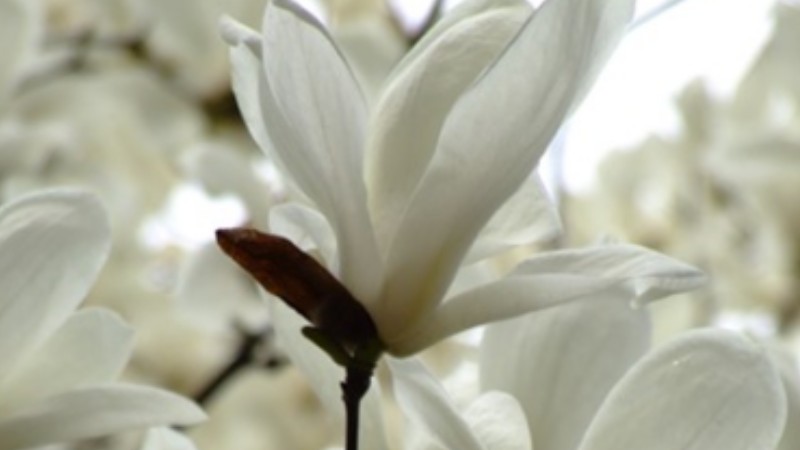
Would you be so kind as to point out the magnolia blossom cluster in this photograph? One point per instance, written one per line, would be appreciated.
(408, 174)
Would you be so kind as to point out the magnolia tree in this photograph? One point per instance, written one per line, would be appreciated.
(387, 200)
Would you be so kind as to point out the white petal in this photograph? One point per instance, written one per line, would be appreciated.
(322, 373)
(413, 107)
(166, 439)
(529, 216)
(307, 228)
(315, 116)
(708, 389)
(425, 403)
(416, 439)
(250, 86)
(553, 278)
(463, 10)
(472, 276)
(214, 291)
(94, 412)
(650, 275)
(52, 246)
(561, 363)
(491, 142)
(499, 422)
(790, 375)
(324, 376)
(92, 347)
(247, 77)
(503, 299)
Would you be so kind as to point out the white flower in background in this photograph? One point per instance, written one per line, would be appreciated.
(580, 377)
(459, 127)
(116, 131)
(58, 366)
(772, 78)
(184, 34)
(112, 19)
(721, 192)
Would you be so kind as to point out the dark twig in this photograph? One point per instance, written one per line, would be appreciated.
(248, 354)
(359, 363)
(359, 369)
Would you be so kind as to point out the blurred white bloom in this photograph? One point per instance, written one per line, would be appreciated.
(722, 193)
(580, 377)
(459, 127)
(117, 132)
(58, 365)
(184, 34)
(104, 18)
(773, 74)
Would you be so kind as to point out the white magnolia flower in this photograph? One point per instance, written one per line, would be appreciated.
(580, 377)
(57, 366)
(457, 130)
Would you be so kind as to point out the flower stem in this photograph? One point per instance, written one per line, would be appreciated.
(355, 385)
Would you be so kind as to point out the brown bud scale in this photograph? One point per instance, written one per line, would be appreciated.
(298, 279)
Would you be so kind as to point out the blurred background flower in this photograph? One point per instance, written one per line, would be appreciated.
(59, 367)
(720, 190)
